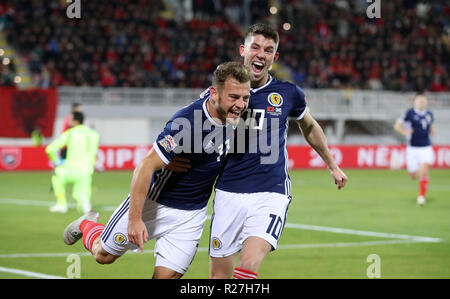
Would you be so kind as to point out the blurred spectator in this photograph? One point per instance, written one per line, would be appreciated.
(330, 44)
(7, 73)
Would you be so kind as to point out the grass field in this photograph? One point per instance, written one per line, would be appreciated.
(329, 233)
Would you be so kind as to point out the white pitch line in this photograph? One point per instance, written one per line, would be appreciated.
(26, 202)
(41, 203)
(346, 244)
(42, 255)
(205, 249)
(288, 225)
(202, 249)
(337, 230)
(29, 273)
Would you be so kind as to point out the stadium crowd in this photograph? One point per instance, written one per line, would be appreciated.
(7, 73)
(330, 44)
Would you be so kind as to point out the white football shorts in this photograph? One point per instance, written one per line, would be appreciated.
(416, 155)
(177, 233)
(238, 216)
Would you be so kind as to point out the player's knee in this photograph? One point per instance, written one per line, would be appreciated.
(221, 271)
(101, 256)
(253, 253)
(104, 259)
(165, 273)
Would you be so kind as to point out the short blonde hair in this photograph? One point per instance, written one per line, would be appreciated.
(233, 69)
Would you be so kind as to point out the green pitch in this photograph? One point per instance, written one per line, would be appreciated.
(329, 233)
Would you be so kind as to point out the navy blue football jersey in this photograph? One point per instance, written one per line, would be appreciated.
(261, 164)
(420, 122)
(193, 134)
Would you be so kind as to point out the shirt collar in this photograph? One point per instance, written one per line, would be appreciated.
(205, 109)
(265, 85)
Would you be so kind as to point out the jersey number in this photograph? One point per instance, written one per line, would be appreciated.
(275, 226)
(255, 119)
(220, 148)
(424, 124)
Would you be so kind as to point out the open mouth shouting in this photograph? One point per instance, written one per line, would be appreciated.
(234, 113)
(233, 116)
(257, 68)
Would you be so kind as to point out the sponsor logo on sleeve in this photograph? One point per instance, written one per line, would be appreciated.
(168, 143)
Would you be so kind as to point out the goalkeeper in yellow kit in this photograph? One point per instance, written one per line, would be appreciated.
(82, 144)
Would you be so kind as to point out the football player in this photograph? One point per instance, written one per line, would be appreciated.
(253, 193)
(171, 206)
(417, 125)
(82, 145)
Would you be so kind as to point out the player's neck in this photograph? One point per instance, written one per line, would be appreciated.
(262, 82)
(213, 113)
(420, 111)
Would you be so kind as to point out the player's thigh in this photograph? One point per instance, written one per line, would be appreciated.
(63, 174)
(227, 222)
(178, 237)
(166, 273)
(114, 238)
(253, 252)
(82, 185)
(412, 159)
(426, 155)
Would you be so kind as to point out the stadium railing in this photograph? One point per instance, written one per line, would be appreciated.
(326, 103)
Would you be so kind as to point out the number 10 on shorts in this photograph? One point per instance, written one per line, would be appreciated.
(275, 226)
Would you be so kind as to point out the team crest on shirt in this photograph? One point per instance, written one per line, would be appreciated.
(120, 239)
(216, 244)
(168, 143)
(275, 99)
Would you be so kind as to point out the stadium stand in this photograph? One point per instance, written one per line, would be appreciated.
(330, 44)
(7, 74)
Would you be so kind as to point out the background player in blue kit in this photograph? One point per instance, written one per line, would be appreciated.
(417, 125)
(254, 191)
(168, 206)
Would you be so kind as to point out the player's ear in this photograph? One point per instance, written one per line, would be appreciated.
(275, 58)
(241, 50)
(213, 94)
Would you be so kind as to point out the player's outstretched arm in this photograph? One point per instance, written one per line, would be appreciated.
(313, 134)
(142, 176)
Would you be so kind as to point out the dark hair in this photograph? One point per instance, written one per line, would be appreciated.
(75, 105)
(232, 69)
(78, 116)
(420, 93)
(265, 30)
